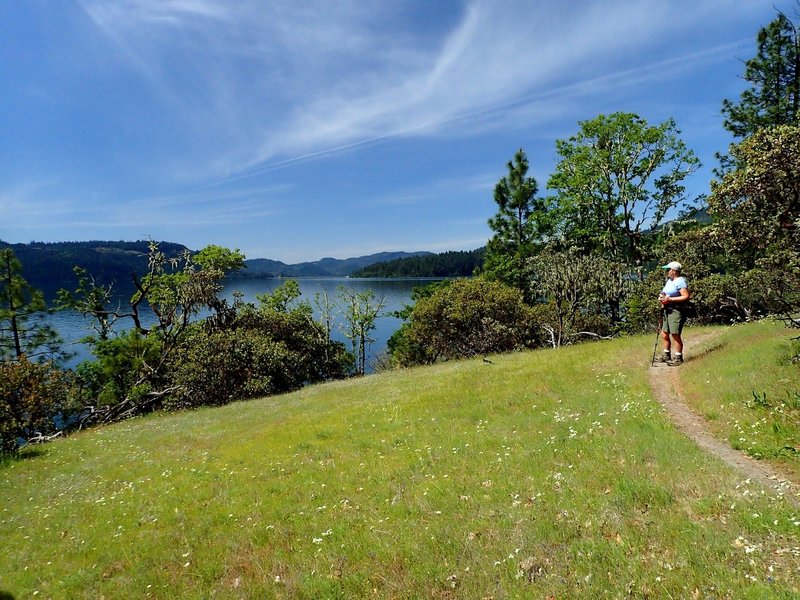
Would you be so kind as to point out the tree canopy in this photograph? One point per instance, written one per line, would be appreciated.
(773, 97)
(757, 206)
(21, 308)
(617, 177)
(522, 220)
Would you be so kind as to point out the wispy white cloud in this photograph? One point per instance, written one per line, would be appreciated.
(36, 207)
(320, 77)
(21, 203)
(443, 188)
(181, 115)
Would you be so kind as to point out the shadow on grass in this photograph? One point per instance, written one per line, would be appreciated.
(6, 595)
(707, 349)
(25, 454)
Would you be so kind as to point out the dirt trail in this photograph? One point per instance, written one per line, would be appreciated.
(665, 382)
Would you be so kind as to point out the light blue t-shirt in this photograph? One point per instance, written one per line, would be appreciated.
(673, 287)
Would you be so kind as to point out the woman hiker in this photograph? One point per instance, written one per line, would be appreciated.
(673, 298)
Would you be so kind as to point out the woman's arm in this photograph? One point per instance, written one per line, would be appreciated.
(684, 297)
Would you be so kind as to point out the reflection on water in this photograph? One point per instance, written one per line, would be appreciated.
(396, 293)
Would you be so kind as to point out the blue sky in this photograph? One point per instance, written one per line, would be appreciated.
(294, 130)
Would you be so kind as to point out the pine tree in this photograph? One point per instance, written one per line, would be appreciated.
(774, 75)
(521, 222)
(21, 310)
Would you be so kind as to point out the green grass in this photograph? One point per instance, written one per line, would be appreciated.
(750, 393)
(543, 473)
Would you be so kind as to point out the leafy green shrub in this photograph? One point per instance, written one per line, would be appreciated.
(469, 317)
(217, 368)
(265, 351)
(640, 307)
(729, 298)
(584, 326)
(32, 397)
(792, 353)
(119, 366)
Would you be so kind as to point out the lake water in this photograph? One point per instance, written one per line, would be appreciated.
(73, 326)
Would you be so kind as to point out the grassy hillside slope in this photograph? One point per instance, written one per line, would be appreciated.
(548, 473)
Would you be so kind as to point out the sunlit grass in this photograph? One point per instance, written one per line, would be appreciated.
(543, 473)
(750, 393)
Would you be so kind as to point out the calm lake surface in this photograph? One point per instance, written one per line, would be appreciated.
(396, 293)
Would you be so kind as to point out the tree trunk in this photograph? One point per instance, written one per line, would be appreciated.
(11, 308)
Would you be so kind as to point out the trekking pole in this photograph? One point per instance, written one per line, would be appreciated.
(658, 335)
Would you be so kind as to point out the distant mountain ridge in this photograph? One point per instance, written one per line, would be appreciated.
(325, 267)
(48, 266)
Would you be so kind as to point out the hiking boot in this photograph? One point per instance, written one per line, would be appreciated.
(676, 362)
(664, 358)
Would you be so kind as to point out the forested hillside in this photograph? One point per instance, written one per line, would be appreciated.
(445, 264)
(49, 266)
(325, 267)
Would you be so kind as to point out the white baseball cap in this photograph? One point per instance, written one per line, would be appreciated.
(672, 265)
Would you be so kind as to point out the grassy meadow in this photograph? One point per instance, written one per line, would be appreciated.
(540, 474)
(749, 394)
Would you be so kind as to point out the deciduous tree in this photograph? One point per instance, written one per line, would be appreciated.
(617, 177)
(32, 395)
(757, 211)
(360, 311)
(757, 206)
(577, 285)
(130, 375)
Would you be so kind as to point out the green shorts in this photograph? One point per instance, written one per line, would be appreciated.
(673, 320)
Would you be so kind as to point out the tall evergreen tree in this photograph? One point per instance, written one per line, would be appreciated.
(21, 309)
(521, 222)
(774, 75)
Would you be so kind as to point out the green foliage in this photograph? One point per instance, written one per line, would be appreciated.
(640, 309)
(697, 249)
(282, 297)
(723, 298)
(544, 319)
(793, 356)
(617, 177)
(32, 396)
(90, 298)
(522, 222)
(123, 364)
(220, 259)
(757, 206)
(757, 211)
(238, 352)
(774, 75)
(129, 375)
(262, 351)
(468, 317)
(399, 343)
(360, 311)
(21, 309)
(219, 367)
(577, 285)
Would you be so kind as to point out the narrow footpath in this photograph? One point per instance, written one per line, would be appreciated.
(665, 383)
